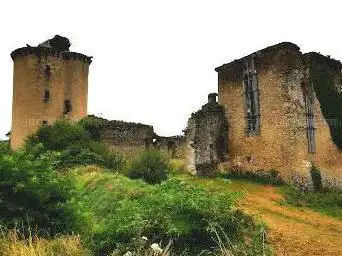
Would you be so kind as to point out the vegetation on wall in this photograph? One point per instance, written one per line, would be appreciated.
(322, 74)
(72, 145)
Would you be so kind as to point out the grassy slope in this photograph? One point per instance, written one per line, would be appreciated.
(117, 206)
(292, 230)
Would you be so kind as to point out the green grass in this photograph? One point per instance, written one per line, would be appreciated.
(326, 202)
(120, 210)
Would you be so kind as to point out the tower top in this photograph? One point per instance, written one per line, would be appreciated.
(58, 46)
(58, 42)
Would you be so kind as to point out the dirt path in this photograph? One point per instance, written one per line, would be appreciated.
(292, 231)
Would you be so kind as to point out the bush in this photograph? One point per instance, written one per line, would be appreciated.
(79, 156)
(316, 178)
(124, 210)
(61, 135)
(111, 159)
(92, 125)
(261, 176)
(151, 166)
(74, 144)
(4, 147)
(32, 192)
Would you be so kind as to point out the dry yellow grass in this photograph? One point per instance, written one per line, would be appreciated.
(291, 231)
(12, 244)
(294, 232)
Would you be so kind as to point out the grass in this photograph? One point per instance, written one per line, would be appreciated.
(328, 202)
(121, 210)
(12, 243)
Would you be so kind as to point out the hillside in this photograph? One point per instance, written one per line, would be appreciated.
(65, 191)
(294, 231)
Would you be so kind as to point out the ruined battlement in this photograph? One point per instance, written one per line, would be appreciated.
(270, 49)
(44, 52)
(314, 56)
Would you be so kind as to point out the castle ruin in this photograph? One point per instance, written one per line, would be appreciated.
(277, 109)
(49, 82)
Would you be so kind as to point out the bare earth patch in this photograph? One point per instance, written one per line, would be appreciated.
(292, 231)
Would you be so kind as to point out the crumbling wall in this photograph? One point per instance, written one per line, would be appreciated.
(324, 76)
(130, 138)
(124, 137)
(173, 146)
(282, 145)
(206, 138)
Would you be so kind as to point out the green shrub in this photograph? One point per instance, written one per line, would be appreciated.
(31, 191)
(4, 147)
(74, 144)
(92, 125)
(177, 209)
(61, 135)
(111, 160)
(79, 156)
(261, 176)
(151, 165)
(316, 178)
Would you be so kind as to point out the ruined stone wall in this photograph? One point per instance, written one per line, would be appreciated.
(130, 138)
(206, 139)
(173, 146)
(38, 70)
(126, 138)
(324, 76)
(282, 144)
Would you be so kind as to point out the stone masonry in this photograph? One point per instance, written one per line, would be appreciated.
(276, 120)
(206, 137)
(49, 83)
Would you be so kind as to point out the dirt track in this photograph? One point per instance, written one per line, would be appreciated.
(292, 231)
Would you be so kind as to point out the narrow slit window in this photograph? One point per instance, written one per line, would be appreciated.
(310, 125)
(251, 91)
(45, 122)
(47, 70)
(67, 107)
(46, 96)
(211, 147)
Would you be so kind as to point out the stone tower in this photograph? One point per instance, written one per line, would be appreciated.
(49, 83)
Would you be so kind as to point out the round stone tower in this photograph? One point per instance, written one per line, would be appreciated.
(49, 83)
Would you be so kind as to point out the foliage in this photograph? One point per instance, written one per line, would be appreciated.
(316, 178)
(261, 176)
(322, 78)
(325, 201)
(225, 246)
(123, 209)
(61, 135)
(74, 145)
(14, 243)
(4, 147)
(31, 191)
(92, 125)
(151, 165)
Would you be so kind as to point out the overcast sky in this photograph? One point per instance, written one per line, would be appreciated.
(154, 60)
